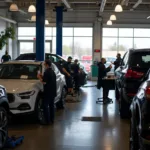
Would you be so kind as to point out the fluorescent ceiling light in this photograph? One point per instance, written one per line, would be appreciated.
(109, 22)
(113, 17)
(13, 7)
(148, 17)
(137, 4)
(46, 22)
(32, 9)
(33, 18)
(118, 8)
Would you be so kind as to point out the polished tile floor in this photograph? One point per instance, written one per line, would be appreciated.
(71, 133)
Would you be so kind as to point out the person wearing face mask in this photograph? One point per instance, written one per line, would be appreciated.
(102, 72)
(50, 91)
(67, 72)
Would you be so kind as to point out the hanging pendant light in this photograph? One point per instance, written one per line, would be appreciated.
(32, 9)
(13, 7)
(118, 8)
(113, 17)
(46, 22)
(109, 22)
(33, 18)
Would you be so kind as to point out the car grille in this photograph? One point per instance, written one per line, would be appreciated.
(11, 98)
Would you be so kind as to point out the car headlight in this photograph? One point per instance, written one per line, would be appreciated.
(2, 92)
(26, 95)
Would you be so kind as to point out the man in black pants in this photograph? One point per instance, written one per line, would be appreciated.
(76, 69)
(49, 82)
(102, 72)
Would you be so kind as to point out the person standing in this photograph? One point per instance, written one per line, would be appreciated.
(117, 61)
(102, 72)
(50, 91)
(76, 69)
(67, 72)
(5, 57)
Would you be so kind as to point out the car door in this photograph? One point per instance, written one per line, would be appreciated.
(59, 82)
(119, 73)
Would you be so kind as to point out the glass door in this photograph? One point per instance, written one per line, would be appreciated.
(29, 46)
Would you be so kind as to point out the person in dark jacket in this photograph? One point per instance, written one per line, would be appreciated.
(117, 61)
(6, 57)
(76, 69)
(102, 72)
(50, 91)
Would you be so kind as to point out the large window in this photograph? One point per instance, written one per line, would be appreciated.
(77, 42)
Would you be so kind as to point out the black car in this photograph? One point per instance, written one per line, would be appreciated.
(129, 77)
(4, 109)
(140, 118)
(55, 59)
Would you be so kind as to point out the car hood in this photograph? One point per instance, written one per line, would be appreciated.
(18, 86)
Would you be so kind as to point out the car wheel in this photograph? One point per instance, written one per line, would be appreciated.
(61, 103)
(39, 110)
(134, 142)
(3, 127)
(123, 107)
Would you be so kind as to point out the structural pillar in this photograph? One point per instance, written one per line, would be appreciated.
(40, 30)
(59, 26)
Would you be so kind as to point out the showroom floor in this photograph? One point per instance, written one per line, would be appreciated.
(71, 133)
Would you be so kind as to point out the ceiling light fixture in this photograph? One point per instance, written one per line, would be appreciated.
(13, 7)
(32, 9)
(46, 22)
(148, 17)
(118, 8)
(109, 22)
(113, 17)
(33, 18)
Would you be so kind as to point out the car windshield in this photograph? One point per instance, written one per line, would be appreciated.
(18, 71)
(140, 59)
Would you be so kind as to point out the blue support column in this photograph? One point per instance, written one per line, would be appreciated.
(40, 30)
(59, 25)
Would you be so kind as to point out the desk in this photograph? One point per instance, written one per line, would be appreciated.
(109, 82)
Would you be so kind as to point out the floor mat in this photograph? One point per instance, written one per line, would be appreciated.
(94, 119)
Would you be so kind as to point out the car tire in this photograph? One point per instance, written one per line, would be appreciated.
(134, 139)
(123, 107)
(61, 103)
(39, 112)
(3, 127)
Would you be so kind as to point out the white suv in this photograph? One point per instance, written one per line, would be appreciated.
(25, 90)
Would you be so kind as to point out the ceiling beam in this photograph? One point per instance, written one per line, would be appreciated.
(102, 7)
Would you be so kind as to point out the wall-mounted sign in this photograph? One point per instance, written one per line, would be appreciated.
(97, 50)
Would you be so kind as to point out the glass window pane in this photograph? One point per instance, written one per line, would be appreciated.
(48, 31)
(27, 31)
(124, 32)
(110, 32)
(26, 47)
(67, 46)
(54, 45)
(26, 38)
(141, 32)
(124, 45)
(54, 31)
(141, 43)
(67, 31)
(83, 49)
(83, 31)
